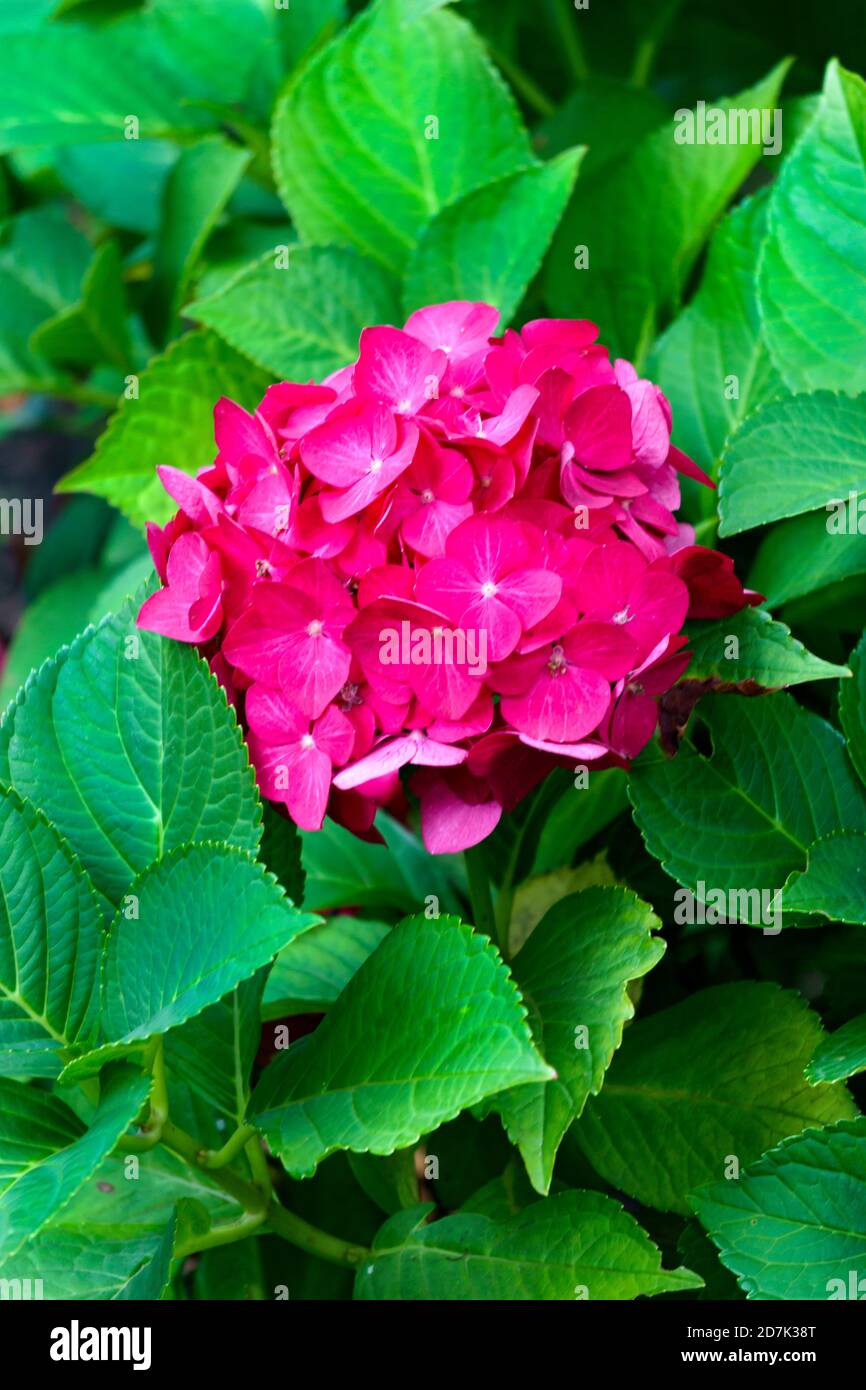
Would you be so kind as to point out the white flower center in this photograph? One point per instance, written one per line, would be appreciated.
(375, 465)
(488, 589)
(314, 629)
(307, 741)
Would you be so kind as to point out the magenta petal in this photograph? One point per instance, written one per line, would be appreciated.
(449, 825)
(559, 708)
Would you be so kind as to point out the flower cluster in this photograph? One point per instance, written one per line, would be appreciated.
(458, 555)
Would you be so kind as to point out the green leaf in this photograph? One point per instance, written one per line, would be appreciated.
(715, 1078)
(716, 338)
(280, 850)
(794, 1224)
(490, 244)
(699, 1254)
(93, 330)
(59, 613)
(41, 1181)
(767, 475)
(75, 1266)
(578, 815)
(430, 1024)
(302, 319)
(50, 939)
(309, 975)
(171, 422)
(840, 1055)
(397, 876)
(743, 819)
(195, 194)
(833, 884)
(606, 115)
(43, 260)
(766, 652)
(370, 141)
(214, 1053)
(182, 900)
(121, 181)
(801, 557)
(126, 743)
(150, 1280)
(574, 1245)
(573, 973)
(811, 281)
(89, 82)
(644, 220)
(231, 1272)
(852, 708)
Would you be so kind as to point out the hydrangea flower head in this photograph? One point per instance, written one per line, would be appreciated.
(456, 561)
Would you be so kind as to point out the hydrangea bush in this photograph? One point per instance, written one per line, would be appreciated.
(433, 750)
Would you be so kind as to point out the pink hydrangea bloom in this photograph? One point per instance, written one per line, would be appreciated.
(456, 561)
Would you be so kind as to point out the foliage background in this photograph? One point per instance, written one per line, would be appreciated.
(140, 279)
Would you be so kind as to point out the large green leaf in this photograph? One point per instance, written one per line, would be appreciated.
(575, 1245)
(833, 884)
(709, 1083)
(371, 141)
(302, 319)
(74, 1266)
(800, 557)
(127, 744)
(644, 220)
(743, 818)
(50, 939)
(765, 651)
(43, 1181)
(852, 708)
(767, 474)
(811, 286)
(794, 1225)
(310, 974)
(171, 422)
(195, 194)
(712, 363)
(578, 815)
(430, 1024)
(207, 918)
(573, 973)
(68, 84)
(842, 1054)
(490, 244)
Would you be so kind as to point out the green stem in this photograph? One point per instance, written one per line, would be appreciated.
(315, 1242)
(221, 1235)
(255, 1203)
(258, 1165)
(565, 24)
(645, 54)
(218, 1158)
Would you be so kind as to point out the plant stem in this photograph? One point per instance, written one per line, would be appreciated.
(315, 1242)
(256, 1204)
(645, 54)
(218, 1158)
(221, 1235)
(569, 36)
